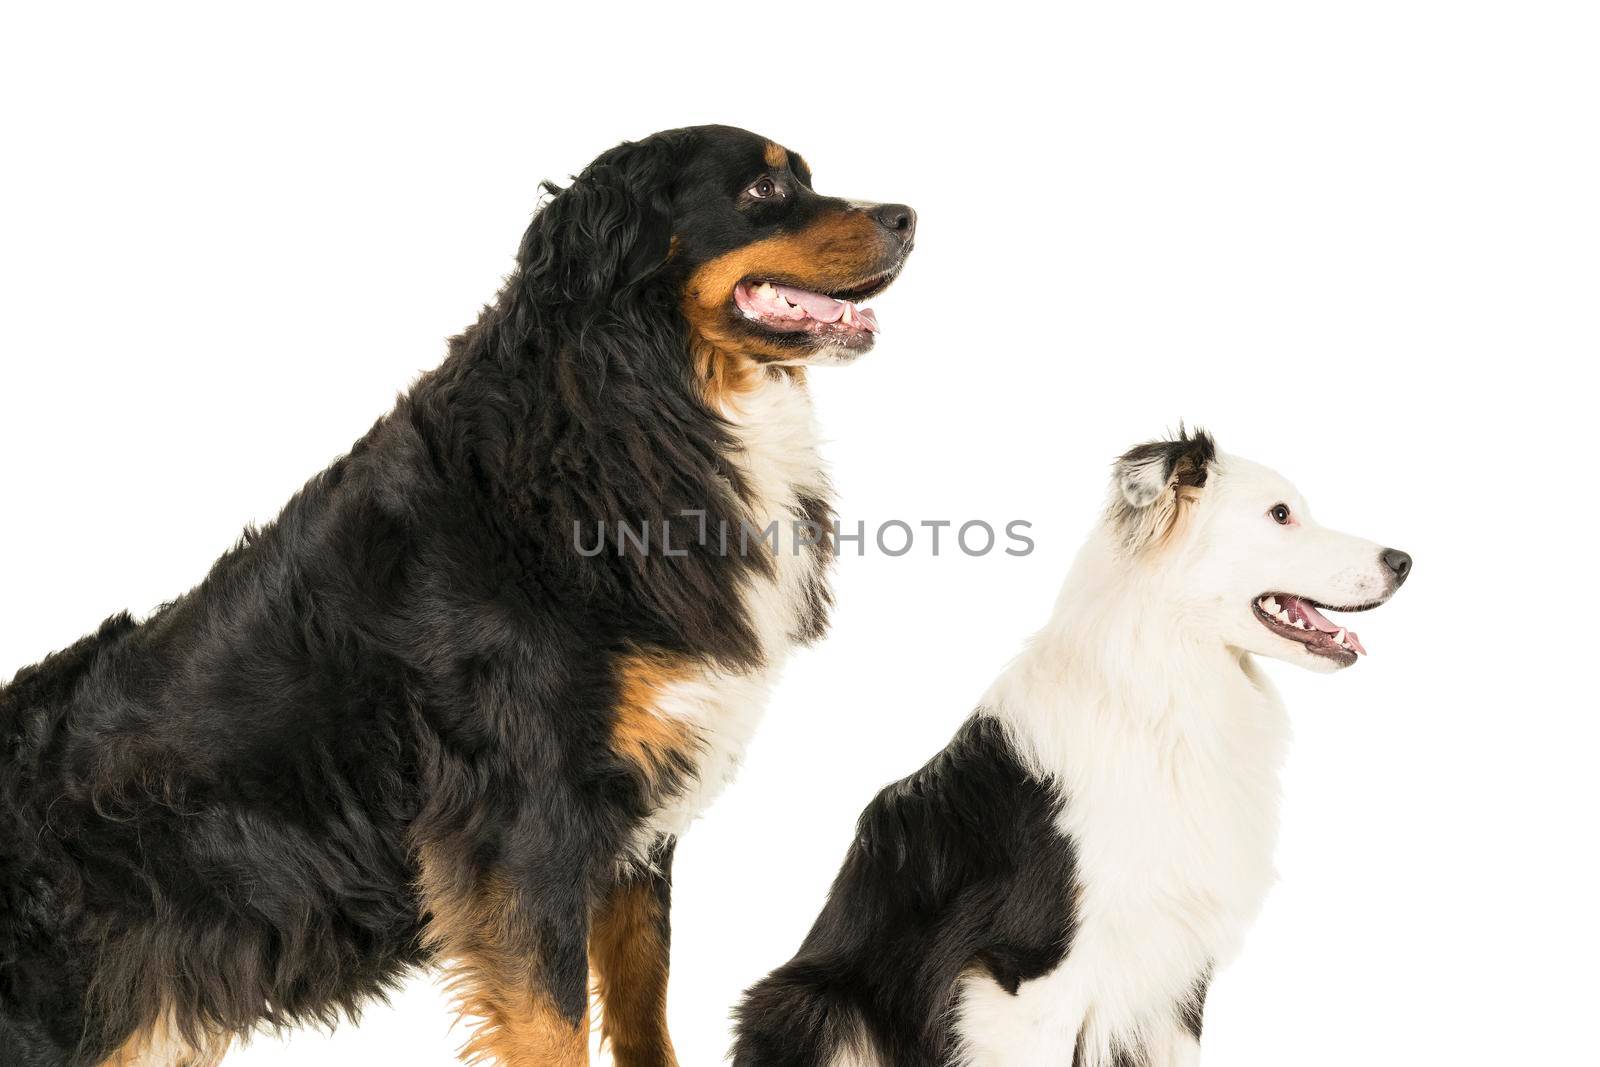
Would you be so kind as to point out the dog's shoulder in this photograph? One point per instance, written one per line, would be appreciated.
(50, 681)
(971, 814)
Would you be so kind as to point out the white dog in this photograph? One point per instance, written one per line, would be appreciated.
(1057, 887)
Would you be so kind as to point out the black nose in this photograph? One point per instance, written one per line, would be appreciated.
(1399, 564)
(897, 218)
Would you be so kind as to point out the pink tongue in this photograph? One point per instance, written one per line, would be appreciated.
(1315, 618)
(822, 308)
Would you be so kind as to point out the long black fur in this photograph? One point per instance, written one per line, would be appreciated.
(220, 808)
(958, 866)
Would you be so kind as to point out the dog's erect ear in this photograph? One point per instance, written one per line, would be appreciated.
(611, 228)
(1153, 480)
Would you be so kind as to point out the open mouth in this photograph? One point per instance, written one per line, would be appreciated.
(832, 316)
(1299, 619)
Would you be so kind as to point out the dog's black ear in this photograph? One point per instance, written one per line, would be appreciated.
(1153, 480)
(610, 229)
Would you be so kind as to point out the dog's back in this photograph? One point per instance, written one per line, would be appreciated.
(39, 1026)
(176, 851)
(956, 867)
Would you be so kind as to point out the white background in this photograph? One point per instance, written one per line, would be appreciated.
(1358, 241)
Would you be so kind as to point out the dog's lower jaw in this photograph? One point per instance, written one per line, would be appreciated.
(831, 356)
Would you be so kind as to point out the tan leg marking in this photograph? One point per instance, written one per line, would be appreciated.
(164, 1044)
(492, 975)
(629, 952)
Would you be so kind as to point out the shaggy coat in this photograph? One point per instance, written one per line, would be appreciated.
(418, 718)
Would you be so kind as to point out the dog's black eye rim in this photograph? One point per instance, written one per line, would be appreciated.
(763, 189)
(1280, 514)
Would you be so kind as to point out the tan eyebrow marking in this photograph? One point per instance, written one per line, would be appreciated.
(776, 156)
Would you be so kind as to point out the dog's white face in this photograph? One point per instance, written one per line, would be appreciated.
(1244, 559)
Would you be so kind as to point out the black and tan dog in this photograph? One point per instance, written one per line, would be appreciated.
(457, 702)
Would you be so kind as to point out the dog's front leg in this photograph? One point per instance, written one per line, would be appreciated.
(1177, 1048)
(516, 961)
(629, 948)
(1179, 1045)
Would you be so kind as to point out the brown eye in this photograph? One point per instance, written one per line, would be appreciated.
(1280, 514)
(763, 189)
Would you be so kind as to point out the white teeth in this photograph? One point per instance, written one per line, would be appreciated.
(1300, 624)
(1339, 640)
(846, 318)
(1271, 604)
(766, 291)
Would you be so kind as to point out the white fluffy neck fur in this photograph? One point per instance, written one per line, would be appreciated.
(779, 460)
(1121, 642)
(1166, 745)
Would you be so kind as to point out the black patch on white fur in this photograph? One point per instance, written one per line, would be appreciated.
(958, 866)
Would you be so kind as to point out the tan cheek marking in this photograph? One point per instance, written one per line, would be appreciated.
(725, 366)
(833, 252)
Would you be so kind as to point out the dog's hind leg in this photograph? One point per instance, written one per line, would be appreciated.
(519, 972)
(629, 948)
(1176, 1048)
(164, 1044)
(1182, 1048)
(1177, 1042)
(1039, 1023)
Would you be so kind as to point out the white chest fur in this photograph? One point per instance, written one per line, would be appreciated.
(1171, 806)
(778, 459)
(779, 464)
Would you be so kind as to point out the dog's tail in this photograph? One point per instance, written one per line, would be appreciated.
(792, 1018)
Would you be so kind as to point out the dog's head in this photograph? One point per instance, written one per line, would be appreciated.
(1236, 550)
(761, 266)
